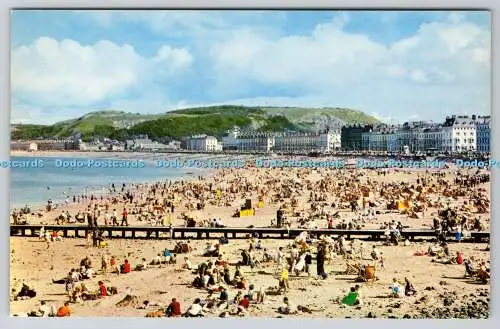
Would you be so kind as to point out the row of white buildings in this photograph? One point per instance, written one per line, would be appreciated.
(456, 134)
(236, 139)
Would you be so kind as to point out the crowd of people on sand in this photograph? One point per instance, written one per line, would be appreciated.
(306, 198)
(218, 277)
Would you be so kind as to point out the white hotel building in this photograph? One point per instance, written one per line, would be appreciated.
(459, 134)
(204, 143)
(281, 142)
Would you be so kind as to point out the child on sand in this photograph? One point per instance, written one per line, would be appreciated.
(395, 289)
(283, 284)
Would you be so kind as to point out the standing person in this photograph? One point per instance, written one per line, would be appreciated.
(90, 222)
(458, 234)
(88, 236)
(124, 217)
(115, 218)
(95, 237)
(320, 263)
(104, 264)
(284, 279)
(308, 261)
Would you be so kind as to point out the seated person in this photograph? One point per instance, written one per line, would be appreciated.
(243, 305)
(125, 267)
(103, 291)
(143, 266)
(64, 310)
(88, 274)
(287, 307)
(266, 256)
(223, 298)
(409, 289)
(76, 275)
(258, 245)
(166, 256)
(195, 310)
(187, 264)
(242, 283)
(375, 254)
(45, 310)
(85, 292)
(351, 298)
(76, 296)
(251, 292)
(435, 250)
(173, 309)
(157, 260)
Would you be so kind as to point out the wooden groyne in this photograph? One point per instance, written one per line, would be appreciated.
(159, 232)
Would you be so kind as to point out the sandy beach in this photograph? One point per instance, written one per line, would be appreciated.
(310, 198)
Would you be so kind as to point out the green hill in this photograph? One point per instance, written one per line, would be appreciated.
(214, 120)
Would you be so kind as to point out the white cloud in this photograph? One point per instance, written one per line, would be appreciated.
(442, 68)
(66, 73)
(419, 76)
(449, 60)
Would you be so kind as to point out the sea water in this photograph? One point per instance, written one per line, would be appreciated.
(34, 186)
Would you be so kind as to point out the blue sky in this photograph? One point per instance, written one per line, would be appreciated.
(398, 66)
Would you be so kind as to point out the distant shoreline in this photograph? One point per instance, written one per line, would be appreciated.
(78, 154)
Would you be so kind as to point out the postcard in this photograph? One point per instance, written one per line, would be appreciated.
(292, 164)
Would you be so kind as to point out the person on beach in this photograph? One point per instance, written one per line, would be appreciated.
(64, 310)
(351, 298)
(45, 310)
(124, 217)
(113, 265)
(103, 291)
(395, 289)
(458, 233)
(114, 218)
(173, 309)
(308, 263)
(187, 264)
(409, 289)
(320, 263)
(195, 310)
(104, 264)
(287, 307)
(283, 281)
(125, 268)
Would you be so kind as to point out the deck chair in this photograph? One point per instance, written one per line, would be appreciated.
(351, 269)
